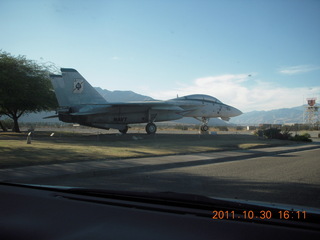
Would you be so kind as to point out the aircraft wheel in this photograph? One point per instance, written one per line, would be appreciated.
(125, 130)
(204, 128)
(151, 128)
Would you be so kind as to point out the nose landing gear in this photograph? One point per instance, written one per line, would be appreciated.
(204, 128)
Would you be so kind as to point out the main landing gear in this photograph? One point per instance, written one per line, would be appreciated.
(151, 128)
(125, 130)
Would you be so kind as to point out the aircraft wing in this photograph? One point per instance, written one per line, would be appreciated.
(152, 105)
(159, 105)
(139, 104)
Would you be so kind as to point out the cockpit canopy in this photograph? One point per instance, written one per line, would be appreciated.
(200, 97)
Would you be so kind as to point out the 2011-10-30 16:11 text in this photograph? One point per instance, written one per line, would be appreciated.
(263, 214)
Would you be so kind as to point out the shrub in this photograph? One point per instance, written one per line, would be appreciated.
(275, 133)
(223, 128)
(259, 133)
(303, 138)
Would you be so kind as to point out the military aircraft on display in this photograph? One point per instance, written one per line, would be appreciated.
(80, 103)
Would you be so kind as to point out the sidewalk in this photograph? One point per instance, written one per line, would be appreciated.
(174, 161)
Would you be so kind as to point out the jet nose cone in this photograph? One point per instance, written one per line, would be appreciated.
(235, 112)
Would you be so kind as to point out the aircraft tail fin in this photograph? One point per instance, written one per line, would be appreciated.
(72, 89)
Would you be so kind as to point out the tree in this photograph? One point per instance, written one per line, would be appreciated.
(25, 87)
(2, 126)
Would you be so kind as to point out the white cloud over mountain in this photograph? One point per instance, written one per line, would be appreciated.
(243, 92)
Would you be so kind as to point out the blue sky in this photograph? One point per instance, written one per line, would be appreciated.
(254, 55)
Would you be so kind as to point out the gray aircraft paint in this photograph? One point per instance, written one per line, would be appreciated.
(80, 103)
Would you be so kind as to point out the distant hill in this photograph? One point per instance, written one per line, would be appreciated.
(122, 96)
(277, 116)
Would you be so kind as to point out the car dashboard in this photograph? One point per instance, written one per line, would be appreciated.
(35, 212)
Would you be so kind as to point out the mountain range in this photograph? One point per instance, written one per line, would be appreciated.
(277, 116)
(122, 96)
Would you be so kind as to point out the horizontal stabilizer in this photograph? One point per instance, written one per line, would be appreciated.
(53, 116)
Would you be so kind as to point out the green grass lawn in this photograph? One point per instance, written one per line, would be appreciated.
(74, 147)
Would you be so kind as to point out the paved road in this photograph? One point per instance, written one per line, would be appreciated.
(289, 174)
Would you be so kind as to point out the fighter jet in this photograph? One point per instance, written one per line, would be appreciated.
(80, 103)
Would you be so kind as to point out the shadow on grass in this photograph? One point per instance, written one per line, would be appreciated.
(66, 147)
(22, 156)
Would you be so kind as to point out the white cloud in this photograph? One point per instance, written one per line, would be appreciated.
(242, 91)
(298, 69)
(115, 58)
(222, 79)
